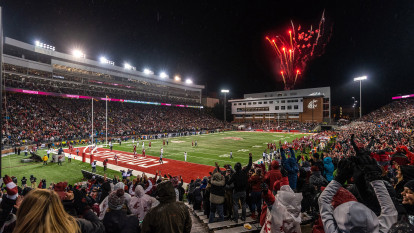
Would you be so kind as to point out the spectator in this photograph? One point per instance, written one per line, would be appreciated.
(49, 215)
(217, 196)
(173, 215)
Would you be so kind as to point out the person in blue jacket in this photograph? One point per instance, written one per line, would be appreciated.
(291, 166)
(329, 168)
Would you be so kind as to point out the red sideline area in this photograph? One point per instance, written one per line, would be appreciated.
(149, 164)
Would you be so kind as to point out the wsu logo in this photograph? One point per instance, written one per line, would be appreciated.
(312, 104)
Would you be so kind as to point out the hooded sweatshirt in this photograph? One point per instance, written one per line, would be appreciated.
(141, 203)
(169, 215)
(217, 190)
(329, 168)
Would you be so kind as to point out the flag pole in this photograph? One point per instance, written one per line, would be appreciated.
(92, 122)
(106, 127)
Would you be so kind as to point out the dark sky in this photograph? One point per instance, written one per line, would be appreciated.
(221, 44)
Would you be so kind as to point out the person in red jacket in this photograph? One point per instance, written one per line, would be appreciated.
(255, 181)
(273, 175)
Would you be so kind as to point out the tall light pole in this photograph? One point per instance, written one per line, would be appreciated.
(354, 104)
(360, 92)
(225, 93)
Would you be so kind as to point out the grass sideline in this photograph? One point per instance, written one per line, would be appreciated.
(53, 173)
(211, 148)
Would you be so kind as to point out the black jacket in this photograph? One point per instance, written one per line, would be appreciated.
(117, 221)
(240, 178)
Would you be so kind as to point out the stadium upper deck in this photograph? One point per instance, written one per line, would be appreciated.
(37, 68)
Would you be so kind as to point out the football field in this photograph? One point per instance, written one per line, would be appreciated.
(211, 148)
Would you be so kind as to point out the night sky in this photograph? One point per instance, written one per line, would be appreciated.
(220, 44)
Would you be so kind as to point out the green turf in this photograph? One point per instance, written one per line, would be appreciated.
(212, 147)
(70, 172)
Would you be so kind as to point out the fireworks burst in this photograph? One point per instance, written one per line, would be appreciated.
(296, 48)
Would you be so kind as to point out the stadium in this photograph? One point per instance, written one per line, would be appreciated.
(95, 145)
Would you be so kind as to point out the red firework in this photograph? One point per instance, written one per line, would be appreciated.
(296, 48)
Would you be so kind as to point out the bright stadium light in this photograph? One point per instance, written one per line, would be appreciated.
(225, 91)
(189, 81)
(163, 75)
(43, 45)
(128, 66)
(106, 61)
(177, 78)
(360, 92)
(78, 53)
(360, 78)
(148, 71)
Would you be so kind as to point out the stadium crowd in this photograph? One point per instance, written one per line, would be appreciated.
(357, 179)
(45, 119)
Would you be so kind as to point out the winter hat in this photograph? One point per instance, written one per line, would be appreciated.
(116, 199)
(407, 172)
(275, 165)
(60, 189)
(11, 188)
(359, 218)
(410, 185)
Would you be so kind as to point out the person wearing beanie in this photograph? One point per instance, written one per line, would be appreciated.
(316, 179)
(274, 174)
(354, 216)
(317, 162)
(116, 219)
(103, 207)
(169, 215)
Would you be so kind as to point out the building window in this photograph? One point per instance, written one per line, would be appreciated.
(250, 103)
(276, 107)
(270, 102)
(265, 102)
(293, 93)
(260, 103)
(234, 104)
(295, 107)
(282, 101)
(282, 107)
(265, 95)
(244, 103)
(279, 94)
(239, 103)
(254, 103)
(289, 107)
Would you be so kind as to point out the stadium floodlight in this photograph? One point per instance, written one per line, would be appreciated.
(360, 92)
(225, 91)
(360, 78)
(78, 53)
(148, 71)
(43, 45)
(106, 61)
(177, 78)
(129, 67)
(189, 81)
(163, 75)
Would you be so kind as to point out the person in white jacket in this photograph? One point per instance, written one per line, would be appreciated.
(141, 203)
(354, 216)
